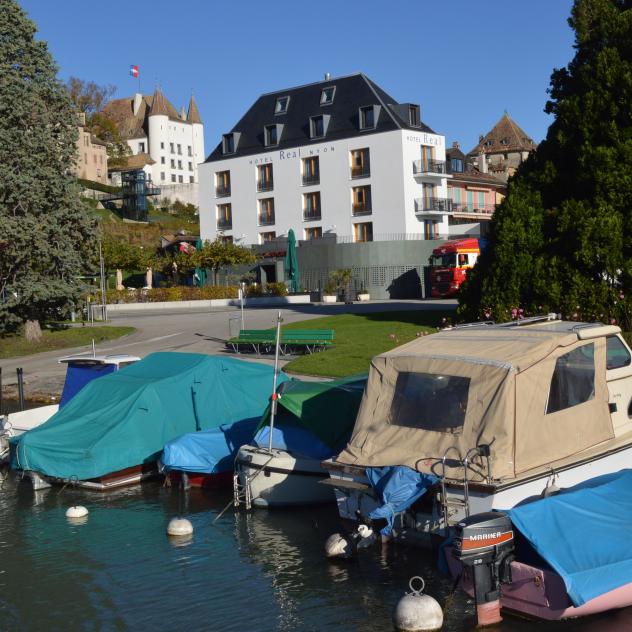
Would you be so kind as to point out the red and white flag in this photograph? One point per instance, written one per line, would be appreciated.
(133, 71)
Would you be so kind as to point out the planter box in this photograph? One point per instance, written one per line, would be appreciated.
(364, 297)
(330, 298)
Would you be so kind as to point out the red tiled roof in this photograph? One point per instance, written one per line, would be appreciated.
(506, 136)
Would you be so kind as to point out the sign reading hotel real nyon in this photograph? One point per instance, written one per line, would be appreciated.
(426, 139)
(288, 154)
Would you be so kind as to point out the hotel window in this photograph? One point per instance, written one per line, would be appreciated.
(180, 179)
(180, 150)
(311, 206)
(162, 176)
(173, 163)
(141, 148)
(367, 117)
(190, 166)
(360, 163)
(179, 164)
(281, 105)
(327, 95)
(311, 171)
(428, 197)
(228, 144)
(361, 200)
(226, 239)
(427, 157)
(173, 177)
(456, 164)
(363, 232)
(431, 229)
(171, 147)
(224, 217)
(265, 180)
(266, 212)
(413, 115)
(270, 135)
(189, 151)
(316, 127)
(222, 184)
(265, 238)
(162, 160)
(314, 232)
(162, 145)
(191, 179)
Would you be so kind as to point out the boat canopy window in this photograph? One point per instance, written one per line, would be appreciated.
(573, 380)
(617, 355)
(429, 401)
(443, 261)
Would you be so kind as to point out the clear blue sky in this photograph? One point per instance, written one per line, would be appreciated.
(465, 62)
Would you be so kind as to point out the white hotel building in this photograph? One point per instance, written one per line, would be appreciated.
(339, 156)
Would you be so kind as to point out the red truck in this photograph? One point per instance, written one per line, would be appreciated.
(449, 265)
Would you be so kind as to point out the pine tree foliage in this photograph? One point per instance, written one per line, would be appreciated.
(562, 239)
(46, 238)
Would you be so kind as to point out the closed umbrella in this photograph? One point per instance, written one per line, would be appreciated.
(291, 261)
(200, 273)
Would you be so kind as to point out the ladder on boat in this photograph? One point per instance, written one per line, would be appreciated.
(242, 491)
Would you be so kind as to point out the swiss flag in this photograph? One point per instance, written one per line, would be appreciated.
(133, 71)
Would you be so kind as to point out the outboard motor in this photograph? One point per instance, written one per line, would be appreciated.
(485, 542)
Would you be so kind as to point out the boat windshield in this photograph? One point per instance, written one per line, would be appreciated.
(443, 261)
(429, 401)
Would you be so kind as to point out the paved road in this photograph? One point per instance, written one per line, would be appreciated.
(194, 332)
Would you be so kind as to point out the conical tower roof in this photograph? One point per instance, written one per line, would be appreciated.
(505, 136)
(193, 115)
(158, 104)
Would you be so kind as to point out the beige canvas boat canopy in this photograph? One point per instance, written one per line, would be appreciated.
(534, 394)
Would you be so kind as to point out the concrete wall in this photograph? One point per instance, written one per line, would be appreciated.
(387, 269)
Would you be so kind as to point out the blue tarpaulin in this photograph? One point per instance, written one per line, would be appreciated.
(78, 375)
(210, 451)
(298, 441)
(584, 533)
(398, 487)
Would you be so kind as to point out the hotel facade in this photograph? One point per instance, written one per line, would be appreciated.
(337, 158)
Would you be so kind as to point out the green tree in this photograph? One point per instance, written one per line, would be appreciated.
(106, 130)
(88, 96)
(119, 255)
(218, 254)
(562, 239)
(48, 238)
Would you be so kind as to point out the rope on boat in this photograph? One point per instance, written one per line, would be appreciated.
(72, 480)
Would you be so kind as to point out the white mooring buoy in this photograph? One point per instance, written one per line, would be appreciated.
(416, 612)
(179, 527)
(77, 511)
(338, 546)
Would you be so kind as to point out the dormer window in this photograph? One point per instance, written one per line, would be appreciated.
(327, 95)
(413, 115)
(368, 116)
(281, 105)
(272, 134)
(504, 141)
(318, 125)
(490, 142)
(228, 144)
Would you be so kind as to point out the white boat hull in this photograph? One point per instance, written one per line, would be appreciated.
(281, 479)
(25, 420)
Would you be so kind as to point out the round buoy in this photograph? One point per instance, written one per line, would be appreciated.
(78, 511)
(179, 527)
(416, 612)
(337, 546)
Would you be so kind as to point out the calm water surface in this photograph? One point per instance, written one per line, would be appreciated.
(262, 571)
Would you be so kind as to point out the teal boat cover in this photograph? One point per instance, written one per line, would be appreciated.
(126, 418)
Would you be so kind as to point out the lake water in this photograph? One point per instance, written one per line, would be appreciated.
(263, 570)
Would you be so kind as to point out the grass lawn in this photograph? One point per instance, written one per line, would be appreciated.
(361, 336)
(15, 346)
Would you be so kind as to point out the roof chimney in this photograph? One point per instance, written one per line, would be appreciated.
(480, 138)
(456, 145)
(138, 98)
(327, 76)
(482, 162)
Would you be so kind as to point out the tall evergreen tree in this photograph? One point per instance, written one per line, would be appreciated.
(562, 238)
(46, 238)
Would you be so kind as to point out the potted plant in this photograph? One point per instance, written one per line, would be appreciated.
(363, 294)
(330, 291)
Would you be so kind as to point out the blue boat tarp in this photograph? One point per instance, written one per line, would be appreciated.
(78, 375)
(397, 487)
(298, 441)
(209, 451)
(126, 418)
(583, 533)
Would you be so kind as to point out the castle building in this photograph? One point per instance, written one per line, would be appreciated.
(92, 158)
(166, 144)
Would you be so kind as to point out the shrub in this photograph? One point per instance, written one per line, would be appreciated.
(177, 293)
(276, 289)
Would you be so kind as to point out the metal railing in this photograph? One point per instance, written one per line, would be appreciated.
(222, 190)
(224, 223)
(265, 220)
(311, 179)
(311, 215)
(361, 209)
(429, 166)
(265, 185)
(434, 205)
(481, 209)
(360, 172)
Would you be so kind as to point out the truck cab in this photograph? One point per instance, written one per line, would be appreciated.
(449, 264)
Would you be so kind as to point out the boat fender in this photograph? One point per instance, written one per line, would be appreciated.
(416, 612)
(338, 546)
(550, 490)
(179, 527)
(77, 511)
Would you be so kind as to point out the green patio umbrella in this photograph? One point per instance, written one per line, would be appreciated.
(291, 262)
(200, 273)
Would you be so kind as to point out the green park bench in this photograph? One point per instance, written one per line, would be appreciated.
(263, 340)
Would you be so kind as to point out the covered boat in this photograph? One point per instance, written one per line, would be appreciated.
(496, 412)
(114, 429)
(313, 421)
